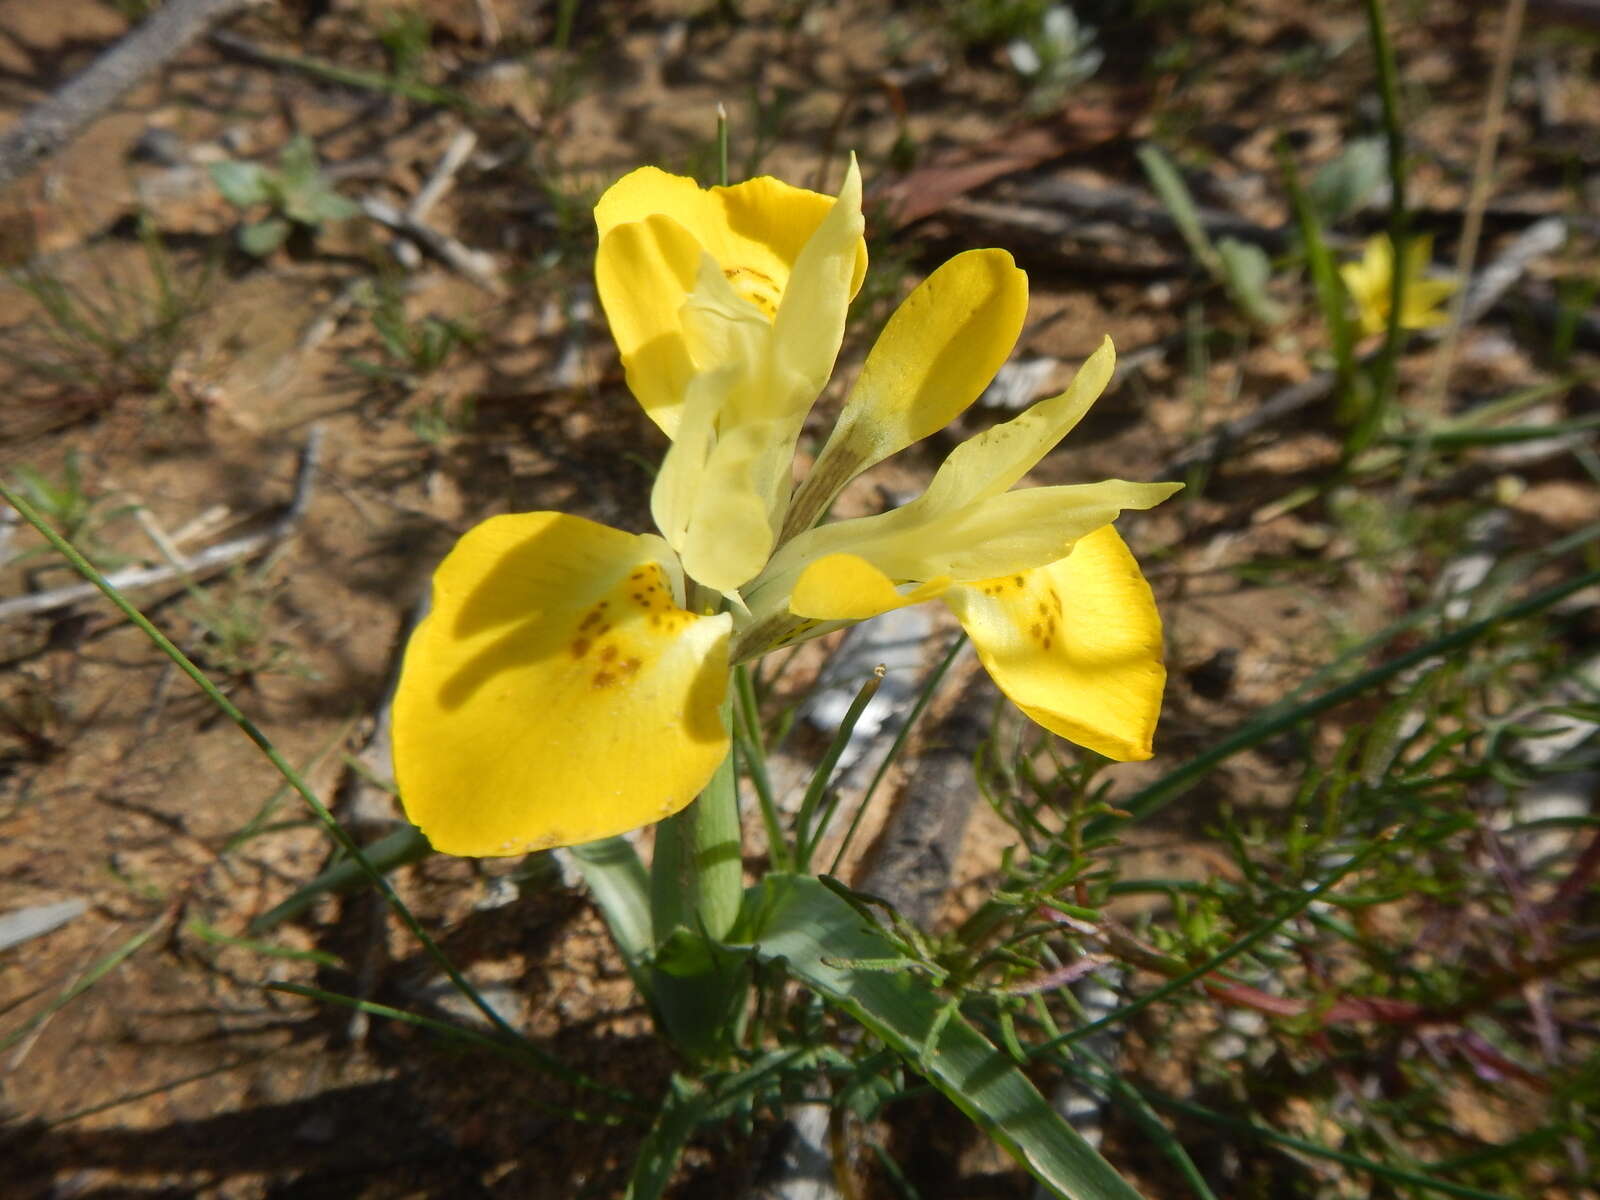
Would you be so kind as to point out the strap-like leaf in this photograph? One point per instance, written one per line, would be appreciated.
(797, 920)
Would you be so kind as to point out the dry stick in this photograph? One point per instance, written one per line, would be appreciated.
(211, 557)
(475, 265)
(431, 192)
(1477, 201)
(444, 175)
(55, 122)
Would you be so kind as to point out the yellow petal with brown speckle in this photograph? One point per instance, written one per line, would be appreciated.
(557, 692)
(1075, 644)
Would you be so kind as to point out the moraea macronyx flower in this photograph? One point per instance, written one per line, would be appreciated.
(566, 684)
(1369, 281)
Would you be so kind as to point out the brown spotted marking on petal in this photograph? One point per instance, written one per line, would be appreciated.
(759, 288)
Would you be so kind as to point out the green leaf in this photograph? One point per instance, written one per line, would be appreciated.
(1246, 269)
(210, 933)
(325, 204)
(387, 853)
(797, 921)
(242, 184)
(682, 1111)
(260, 238)
(1345, 184)
(1180, 204)
(621, 890)
(297, 164)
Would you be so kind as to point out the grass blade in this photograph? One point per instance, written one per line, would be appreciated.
(87, 980)
(519, 1048)
(1174, 194)
(388, 853)
(1274, 721)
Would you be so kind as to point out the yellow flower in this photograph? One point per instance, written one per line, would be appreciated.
(566, 684)
(1369, 282)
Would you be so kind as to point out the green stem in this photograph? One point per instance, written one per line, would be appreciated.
(722, 144)
(923, 700)
(1383, 375)
(805, 844)
(1251, 1129)
(717, 860)
(696, 986)
(697, 876)
(753, 754)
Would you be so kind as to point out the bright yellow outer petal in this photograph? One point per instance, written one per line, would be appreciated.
(643, 273)
(843, 587)
(555, 693)
(1075, 644)
(938, 352)
(755, 229)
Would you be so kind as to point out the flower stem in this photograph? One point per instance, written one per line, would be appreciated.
(1371, 419)
(697, 987)
(722, 144)
(697, 877)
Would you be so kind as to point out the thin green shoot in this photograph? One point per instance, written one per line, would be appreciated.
(805, 840)
(923, 700)
(516, 1048)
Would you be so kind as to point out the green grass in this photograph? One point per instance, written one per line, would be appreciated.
(104, 333)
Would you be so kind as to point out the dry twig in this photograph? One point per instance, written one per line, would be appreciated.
(208, 559)
(474, 265)
(55, 122)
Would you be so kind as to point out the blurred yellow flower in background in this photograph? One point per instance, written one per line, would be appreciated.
(1369, 282)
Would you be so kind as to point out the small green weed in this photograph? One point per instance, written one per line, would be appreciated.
(1055, 56)
(982, 23)
(437, 421)
(409, 350)
(296, 194)
(1433, 978)
(107, 334)
(406, 37)
(235, 628)
(74, 506)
